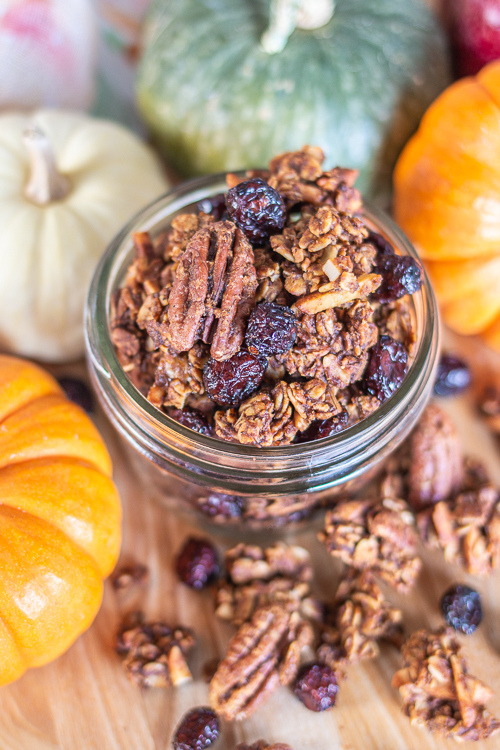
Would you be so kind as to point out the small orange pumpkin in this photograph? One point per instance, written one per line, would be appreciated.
(447, 200)
(60, 519)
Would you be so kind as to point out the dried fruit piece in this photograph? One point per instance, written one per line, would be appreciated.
(271, 329)
(78, 392)
(256, 208)
(197, 729)
(316, 686)
(197, 563)
(323, 428)
(386, 369)
(220, 506)
(214, 206)
(228, 383)
(452, 377)
(461, 607)
(191, 418)
(401, 275)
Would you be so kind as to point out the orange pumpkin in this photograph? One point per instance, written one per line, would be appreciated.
(447, 200)
(59, 519)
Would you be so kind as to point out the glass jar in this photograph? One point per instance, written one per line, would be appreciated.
(241, 485)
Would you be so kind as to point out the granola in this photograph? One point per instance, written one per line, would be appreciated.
(377, 534)
(154, 655)
(188, 295)
(256, 577)
(438, 692)
(264, 653)
(357, 620)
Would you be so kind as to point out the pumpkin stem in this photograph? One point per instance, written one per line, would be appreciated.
(287, 15)
(45, 183)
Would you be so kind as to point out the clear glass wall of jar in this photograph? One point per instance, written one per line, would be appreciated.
(239, 485)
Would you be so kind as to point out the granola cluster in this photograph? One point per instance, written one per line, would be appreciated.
(290, 238)
(358, 619)
(257, 577)
(154, 655)
(438, 692)
(376, 534)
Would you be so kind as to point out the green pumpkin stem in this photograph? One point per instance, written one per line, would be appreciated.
(287, 15)
(45, 184)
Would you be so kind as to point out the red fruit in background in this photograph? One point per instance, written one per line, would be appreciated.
(474, 28)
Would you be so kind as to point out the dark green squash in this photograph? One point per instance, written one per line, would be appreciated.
(357, 86)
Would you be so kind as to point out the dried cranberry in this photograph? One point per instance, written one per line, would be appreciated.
(271, 329)
(257, 208)
(196, 563)
(316, 687)
(228, 383)
(191, 418)
(215, 206)
(452, 377)
(323, 428)
(401, 275)
(383, 246)
(386, 369)
(78, 392)
(461, 607)
(224, 506)
(198, 729)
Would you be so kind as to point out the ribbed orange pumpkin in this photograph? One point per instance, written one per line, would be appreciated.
(447, 200)
(59, 519)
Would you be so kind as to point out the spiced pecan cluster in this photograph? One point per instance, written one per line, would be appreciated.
(257, 320)
(438, 692)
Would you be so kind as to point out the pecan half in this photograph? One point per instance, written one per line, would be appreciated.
(264, 653)
(436, 464)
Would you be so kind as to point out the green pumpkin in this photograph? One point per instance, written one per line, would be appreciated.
(357, 86)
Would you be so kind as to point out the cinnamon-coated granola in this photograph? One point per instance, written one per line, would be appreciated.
(154, 654)
(357, 620)
(438, 692)
(188, 294)
(280, 574)
(375, 534)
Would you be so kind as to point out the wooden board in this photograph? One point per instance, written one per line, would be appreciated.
(84, 701)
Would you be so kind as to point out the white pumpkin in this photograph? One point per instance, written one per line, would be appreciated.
(68, 183)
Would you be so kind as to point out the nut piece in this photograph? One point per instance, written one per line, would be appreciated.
(375, 534)
(436, 465)
(256, 577)
(264, 653)
(467, 528)
(437, 691)
(358, 619)
(129, 575)
(214, 288)
(154, 654)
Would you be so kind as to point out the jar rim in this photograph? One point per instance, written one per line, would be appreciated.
(102, 353)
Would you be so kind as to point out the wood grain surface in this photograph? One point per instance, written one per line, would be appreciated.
(84, 701)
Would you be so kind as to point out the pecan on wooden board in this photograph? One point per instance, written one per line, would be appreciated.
(264, 653)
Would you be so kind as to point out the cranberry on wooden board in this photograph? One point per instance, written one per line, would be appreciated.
(196, 563)
(197, 730)
(257, 208)
(316, 686)
(452, 377)
(461, 608)
(78, 392)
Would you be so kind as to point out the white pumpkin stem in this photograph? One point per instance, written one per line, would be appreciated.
(288, 15)
(45, 183)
